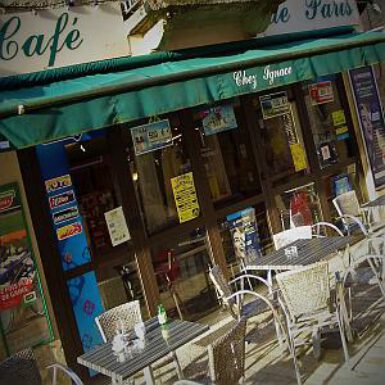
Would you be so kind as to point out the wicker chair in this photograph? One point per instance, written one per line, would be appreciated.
(306, 301)
(128, 313)
(234, 300)
(353, 217)
(22, 369)
(226, 357)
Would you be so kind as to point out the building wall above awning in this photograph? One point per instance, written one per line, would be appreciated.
(69, 107)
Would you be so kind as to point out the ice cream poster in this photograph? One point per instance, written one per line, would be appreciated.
(23, 317)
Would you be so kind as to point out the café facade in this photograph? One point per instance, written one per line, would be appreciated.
(136, 173)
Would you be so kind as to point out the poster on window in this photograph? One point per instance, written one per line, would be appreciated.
(218, 119)
(372, 123)
(151, 137)
(117, 226)
(244, 233)
(185, 196)
(341, 184)
(321, 93)
(23, 315)
(274, 105)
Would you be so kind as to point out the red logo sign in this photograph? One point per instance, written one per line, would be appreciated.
(6, 200)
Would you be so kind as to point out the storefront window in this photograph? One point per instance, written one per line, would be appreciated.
(332, 138)
(282, 140)
(116, 270)
(181, 269)
(245, 236)
(161, 171)
(299, 207)
(226, 153)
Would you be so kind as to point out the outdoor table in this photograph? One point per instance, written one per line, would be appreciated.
(309, 251)
(103, 360)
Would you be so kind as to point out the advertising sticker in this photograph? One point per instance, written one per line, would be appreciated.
(69, 231)
(273, 105)
(65, 215)
(185, 196)
(218, 119)
(151, 137)
(58, 183)
(61, 199)
(321, 93)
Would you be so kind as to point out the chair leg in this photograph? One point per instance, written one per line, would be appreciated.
(376, 275)
(343, 339)
(294, 356)
(178, 368)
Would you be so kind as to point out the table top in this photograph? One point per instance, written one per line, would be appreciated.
(380, 201)
(309, 251)
(103, 360)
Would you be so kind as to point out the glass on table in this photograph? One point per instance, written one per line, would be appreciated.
(291, 252)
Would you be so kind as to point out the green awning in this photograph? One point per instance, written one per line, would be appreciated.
(68, 107)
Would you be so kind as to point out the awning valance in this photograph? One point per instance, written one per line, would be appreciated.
(80, 104)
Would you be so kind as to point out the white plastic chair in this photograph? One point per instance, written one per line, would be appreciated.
(306, 301)
(286, 237)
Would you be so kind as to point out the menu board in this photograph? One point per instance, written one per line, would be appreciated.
(117, 226)
(371, 119)
(24, 319)
(185, 196)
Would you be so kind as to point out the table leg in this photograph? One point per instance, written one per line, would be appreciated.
(148, 376)
(276, 325)
(178, 369)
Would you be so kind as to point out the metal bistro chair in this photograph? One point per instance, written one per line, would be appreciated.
(226, 357)
(128, 313)
(234, 300)
(22, 369)
(353, 217)
(305, 298)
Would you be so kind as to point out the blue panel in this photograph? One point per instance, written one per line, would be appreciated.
(86, 306)
(61, 195)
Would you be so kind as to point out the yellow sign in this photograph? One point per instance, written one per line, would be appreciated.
(338, 118)
(299, 157)
(185, 196)
(341, 130)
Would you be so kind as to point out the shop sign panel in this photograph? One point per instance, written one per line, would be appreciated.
(151, 137)
(218, 119)
(372, 122)
(22, 306)
(117, 226)
(45, 39)
(309, 15)
(273, 105)
(185, 196)
(321, 93)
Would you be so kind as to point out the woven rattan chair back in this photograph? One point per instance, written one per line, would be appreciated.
(227, 356)
(347, 203)
(20, 369)
(306, 290)
(222, 287)
(128, 313)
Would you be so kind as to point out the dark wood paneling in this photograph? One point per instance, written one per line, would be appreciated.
(50, 258)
